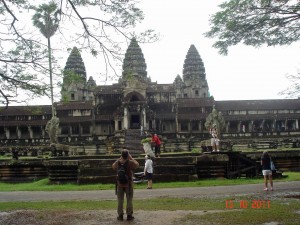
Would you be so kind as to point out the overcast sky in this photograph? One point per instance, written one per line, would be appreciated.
(245, 73)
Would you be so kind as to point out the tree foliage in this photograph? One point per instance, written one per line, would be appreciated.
(294, 89)
(255, 23)
(46, 18)
(215, 119)
(101, 27)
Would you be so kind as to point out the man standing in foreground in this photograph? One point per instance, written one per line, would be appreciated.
(128, 164)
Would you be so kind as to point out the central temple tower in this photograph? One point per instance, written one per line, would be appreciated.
(134, 82)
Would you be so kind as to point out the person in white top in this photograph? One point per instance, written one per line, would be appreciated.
(148, 170)
(214, 138)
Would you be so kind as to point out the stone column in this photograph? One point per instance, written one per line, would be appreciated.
(7, 133)
(177, 125)
(30, 132)
(116, 125)
(18, 132)
(263, 125)
(274, 125)
(239, 126)
(43, 132)
(125, 118)
(144, 118)
(297, 124)
(227, 127)
(285, 124)
(80, 130)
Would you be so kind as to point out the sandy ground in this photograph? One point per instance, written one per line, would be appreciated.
(93, 217)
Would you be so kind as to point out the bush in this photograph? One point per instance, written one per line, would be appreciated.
(146, 140)
(195, 150)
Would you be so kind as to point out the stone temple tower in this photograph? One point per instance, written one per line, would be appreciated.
(75, 86)
(134, 82)
(134, 75)
(194, 77)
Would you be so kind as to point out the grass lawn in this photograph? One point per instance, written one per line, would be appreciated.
(43, 185)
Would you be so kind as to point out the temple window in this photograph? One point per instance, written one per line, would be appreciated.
(195, 126)
(2, 133)
(76, 113)
(35, 117)
(197, 93)
(13, 132)
(185, 95)
(64, 129)
(24, 132)
(21, 118)
(75, 129)
(283, 111)
(151, 99)
(86, 129)
(62, 113)
(47, 117)
(184, 126)
(72, 96)
(36, 131)
(252, 111)
(208, 109)
(225, 113)
(86, 112)
(134, 98)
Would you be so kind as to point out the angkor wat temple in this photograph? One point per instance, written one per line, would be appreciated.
(108, 117)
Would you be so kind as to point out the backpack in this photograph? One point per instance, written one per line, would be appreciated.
(122, 174)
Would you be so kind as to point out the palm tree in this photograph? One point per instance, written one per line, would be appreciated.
(47, 19)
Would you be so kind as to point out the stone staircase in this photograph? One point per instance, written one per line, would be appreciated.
(133, 142)
(241, 165)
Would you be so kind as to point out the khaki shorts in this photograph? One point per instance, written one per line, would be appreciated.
(267, 172)
(214, 141)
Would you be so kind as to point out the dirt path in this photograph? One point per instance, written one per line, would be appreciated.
(107, 217)
(93, 217)
(18, 196)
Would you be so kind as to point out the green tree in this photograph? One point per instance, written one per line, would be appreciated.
(100, 27)
(21, 56)
(215, 119)
(255, 23)
(47, 19)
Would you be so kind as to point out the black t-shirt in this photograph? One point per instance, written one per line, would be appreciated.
(266, 162)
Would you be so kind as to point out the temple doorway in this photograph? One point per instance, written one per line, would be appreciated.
(135, 122)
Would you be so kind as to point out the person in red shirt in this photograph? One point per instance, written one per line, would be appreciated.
(157, 143)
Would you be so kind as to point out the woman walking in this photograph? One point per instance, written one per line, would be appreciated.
(266, 170)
